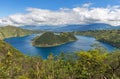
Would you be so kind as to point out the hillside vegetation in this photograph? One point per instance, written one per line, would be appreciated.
(109, 36)
(11, 31)
(93, 64)
(49, 39)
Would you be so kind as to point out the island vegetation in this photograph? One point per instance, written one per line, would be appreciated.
(109, 36)
(49, 39)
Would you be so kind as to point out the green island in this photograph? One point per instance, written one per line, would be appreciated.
(108, 36)
(49, 39)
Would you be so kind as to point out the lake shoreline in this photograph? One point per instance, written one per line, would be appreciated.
(24, 45)
(55, 45)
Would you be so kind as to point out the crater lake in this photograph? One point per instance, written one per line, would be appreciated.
(24, 45)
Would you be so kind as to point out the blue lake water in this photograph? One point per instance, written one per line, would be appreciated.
(24, 45)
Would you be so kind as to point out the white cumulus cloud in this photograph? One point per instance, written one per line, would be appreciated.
(78, 15)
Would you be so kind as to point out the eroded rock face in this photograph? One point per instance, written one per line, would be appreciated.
(49, 39)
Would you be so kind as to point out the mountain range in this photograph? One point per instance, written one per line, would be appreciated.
(70, 28)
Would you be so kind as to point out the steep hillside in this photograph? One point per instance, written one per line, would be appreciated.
(11, 31)
(12, 62)
(109, 36)
(7, 49)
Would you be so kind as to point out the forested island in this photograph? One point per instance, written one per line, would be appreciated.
(49, 39)
(109, 36)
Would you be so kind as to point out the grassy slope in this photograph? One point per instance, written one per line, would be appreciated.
(109, 36)
(11, 31)
(6, 49)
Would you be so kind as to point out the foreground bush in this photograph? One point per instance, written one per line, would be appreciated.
(81, 65)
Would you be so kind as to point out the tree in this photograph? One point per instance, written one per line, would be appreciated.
(90, 64)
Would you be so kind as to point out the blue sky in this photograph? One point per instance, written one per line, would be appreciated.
(59, 12)
(8, 7)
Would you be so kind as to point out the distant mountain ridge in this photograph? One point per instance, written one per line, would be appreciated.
(49, 28)
(96, 26)
(69, 28)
